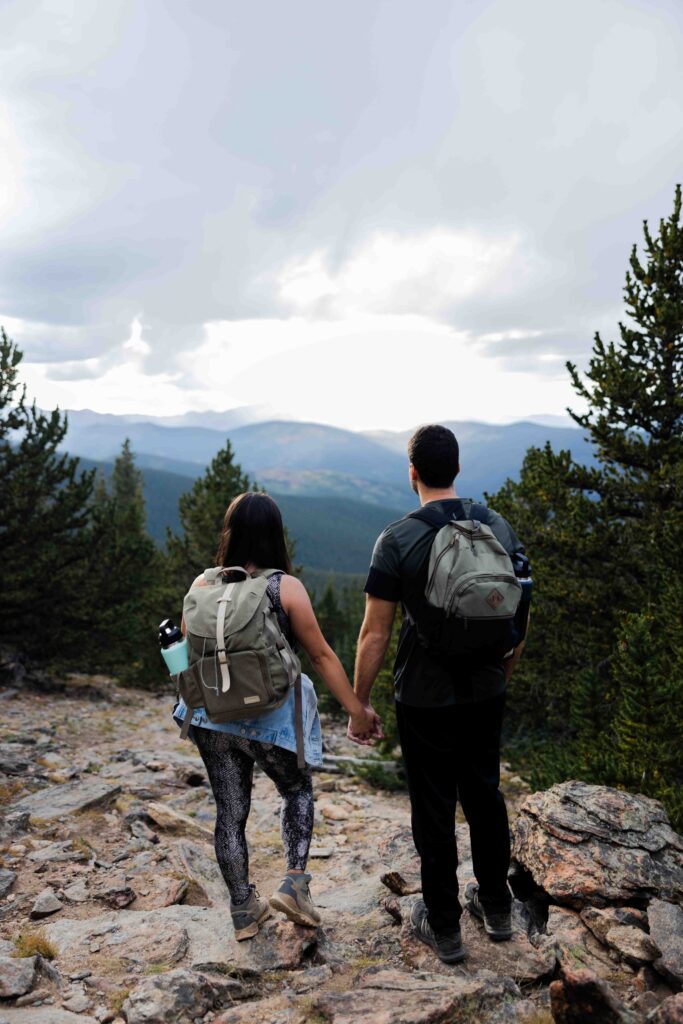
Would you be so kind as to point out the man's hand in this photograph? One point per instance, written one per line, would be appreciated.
(366, 727)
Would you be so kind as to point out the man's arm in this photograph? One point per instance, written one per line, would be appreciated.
(373, 643)
(511, 663)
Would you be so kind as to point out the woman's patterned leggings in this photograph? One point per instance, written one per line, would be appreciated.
(229, 762)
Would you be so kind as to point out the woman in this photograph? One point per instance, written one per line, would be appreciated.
(253, 537)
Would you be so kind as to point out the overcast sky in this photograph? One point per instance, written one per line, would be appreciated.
(366, 213)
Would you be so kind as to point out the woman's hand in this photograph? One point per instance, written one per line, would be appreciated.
(365, 726)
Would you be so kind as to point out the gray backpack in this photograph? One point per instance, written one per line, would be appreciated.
(240, 663)
(471, 593)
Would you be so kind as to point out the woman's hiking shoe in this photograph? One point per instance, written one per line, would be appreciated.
(498, 926)
(447, 946)
(247, 916)
(294, 899)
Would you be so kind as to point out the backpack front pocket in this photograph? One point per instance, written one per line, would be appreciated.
(251, 689)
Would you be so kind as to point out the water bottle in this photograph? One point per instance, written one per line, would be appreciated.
(173, 647)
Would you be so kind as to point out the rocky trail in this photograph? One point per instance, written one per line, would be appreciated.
(112, 908)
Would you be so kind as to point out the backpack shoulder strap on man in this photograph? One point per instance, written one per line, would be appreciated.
(437, 519)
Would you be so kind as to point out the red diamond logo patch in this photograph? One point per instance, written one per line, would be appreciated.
(494, 598)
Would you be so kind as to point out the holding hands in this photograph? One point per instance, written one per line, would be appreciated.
(365, 727)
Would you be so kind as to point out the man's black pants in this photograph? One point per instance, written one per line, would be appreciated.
(453, 753)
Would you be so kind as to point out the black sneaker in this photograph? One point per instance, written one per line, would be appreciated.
(498, 926)
(448, 946)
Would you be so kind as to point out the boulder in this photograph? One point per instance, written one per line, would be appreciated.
(668, 1012)
(579, 996)
(390, 996)
(46, 903)
(587, 844)
(200, 937)
(58, 801)
(601, 919)
(575, 945)
(17, 975)
(178, 996)
(666, 929)
(45, 1015)
(7, 880)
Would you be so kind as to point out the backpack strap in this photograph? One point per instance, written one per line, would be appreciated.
(275, 634)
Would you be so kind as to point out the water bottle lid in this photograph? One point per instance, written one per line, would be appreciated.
(169, 633)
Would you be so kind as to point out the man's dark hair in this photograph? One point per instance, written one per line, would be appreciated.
(434, 452)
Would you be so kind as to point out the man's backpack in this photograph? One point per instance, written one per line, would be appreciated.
(471, 592)
(240, 663)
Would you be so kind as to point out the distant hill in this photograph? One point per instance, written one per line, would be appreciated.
(316, 460)
(331, 535)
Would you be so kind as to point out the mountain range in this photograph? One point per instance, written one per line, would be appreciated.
(337, 488)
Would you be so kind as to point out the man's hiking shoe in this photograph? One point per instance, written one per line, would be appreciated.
(294, 899)
(448, 946)
(498, 926)
(247, 916)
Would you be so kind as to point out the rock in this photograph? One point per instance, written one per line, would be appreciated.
(575, 944)
(17, 975)
(37, 996)
(579, 996)
(170, 820)
(14, 824)
(632, 944)
(142, 831)
(58, 801)
(332, 811)
(53, 853)
(320, 852)
(587, 844)
(666, 930)
(274, 1010)
(79, 1002)
(116, 893)
(47, 1015)
(201, 937)
(77, 892)
(46, 903)
(601, 919)
(390, 996)
(7, 880)
(175, 891)
(14, 760)
(178, 996)
(198, 862)
(668, 1012)
(304, 981)
(397, 851)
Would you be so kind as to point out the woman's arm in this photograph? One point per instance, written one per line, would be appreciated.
(297, 605)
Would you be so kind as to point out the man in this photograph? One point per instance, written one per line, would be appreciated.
(449, 709)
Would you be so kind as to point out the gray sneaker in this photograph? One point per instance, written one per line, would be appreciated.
(447, 946)
(498, 925)
(294, 899)
(247, 916)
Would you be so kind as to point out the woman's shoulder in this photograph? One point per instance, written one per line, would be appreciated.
(292, 589)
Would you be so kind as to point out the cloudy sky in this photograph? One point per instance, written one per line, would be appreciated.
(366, 213)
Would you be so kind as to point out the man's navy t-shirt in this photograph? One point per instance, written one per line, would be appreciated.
(423, 679)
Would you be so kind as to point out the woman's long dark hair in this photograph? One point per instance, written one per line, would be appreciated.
(253, 533)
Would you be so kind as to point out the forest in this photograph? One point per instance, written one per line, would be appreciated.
(598, 693)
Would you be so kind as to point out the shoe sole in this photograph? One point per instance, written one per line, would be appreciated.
(286, 905)
(495, 936)
(252, 929)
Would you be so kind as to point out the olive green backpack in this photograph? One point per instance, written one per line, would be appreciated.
(240, 663)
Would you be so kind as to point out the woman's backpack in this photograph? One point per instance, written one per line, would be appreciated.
(240, 663)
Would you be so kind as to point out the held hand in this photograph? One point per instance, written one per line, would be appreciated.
(365, 727)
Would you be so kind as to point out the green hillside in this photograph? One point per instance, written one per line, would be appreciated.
(331, 534)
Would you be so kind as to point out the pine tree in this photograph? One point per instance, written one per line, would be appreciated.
(596, 690)
(202, 511)
(635, 388)
(127, 579)
(44, 514)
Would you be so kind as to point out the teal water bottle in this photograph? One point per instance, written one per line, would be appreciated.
(173, 647)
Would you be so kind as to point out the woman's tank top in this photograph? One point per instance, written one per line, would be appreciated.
(273, 591)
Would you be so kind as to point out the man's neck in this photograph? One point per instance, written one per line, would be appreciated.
(426, 494)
